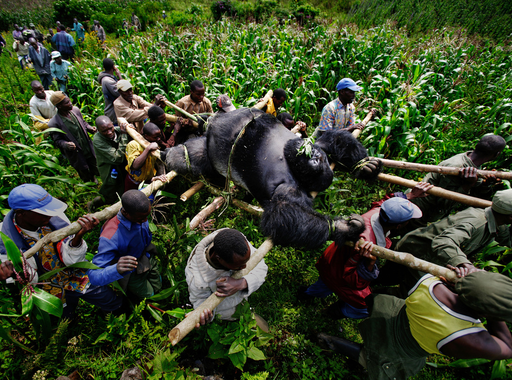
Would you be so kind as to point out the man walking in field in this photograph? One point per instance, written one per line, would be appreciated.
(64, 43)
(41, 107)
(108, 79)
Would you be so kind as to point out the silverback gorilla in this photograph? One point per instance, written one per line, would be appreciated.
(271, 163)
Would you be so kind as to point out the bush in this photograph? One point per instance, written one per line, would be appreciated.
(177, 18)
(222, 7)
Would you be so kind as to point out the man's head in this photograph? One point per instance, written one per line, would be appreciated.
(32, 42)
(197, 91)
(502, 207)
(286, 119)
(157, 116)
(62, 102)
(125, 89)
(490, 147)
(279, 97)
(26, 35)
(57, 57)
(61, 28)
(136, 206)
(38, 89)
(96, 22)
(396, 212)
(105, 127)
(231, 249)
(108, 64)
(32, 25)
(75, 20)
(16, 27)
(347, 89)
(224, 103)
(33, 205)
(152, 133)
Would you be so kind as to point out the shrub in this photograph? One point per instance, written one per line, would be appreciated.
(222, 7)
(177, 18)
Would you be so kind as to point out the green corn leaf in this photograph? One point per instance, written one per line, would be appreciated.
(82, 265)
(27, 301)
(5, 334)
(499, 369)
(13, 252)
(47, 302)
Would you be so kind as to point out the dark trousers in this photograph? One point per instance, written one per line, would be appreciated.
(46, 80)
(101, 296)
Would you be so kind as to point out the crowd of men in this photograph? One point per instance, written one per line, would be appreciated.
(402, 325)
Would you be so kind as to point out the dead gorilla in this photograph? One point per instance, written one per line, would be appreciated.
(265, 161)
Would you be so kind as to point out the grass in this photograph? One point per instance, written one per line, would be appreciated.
(437, 95)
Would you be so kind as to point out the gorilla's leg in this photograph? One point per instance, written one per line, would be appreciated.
(344, 149)
(289, 219)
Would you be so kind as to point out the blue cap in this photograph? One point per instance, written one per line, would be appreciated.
(399, 210)
(348, 83)
(34, 198)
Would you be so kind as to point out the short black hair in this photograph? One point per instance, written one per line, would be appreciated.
(228, 243)
(150, 128)
(108, 64)
(61, 27)
(134, 202)
(284, 116)
(489, 145)
(279, 93)
(154, 112)
(195, 85)
(102, 120)
(35, 83)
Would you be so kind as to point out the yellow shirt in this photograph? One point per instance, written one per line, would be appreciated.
(271, 109)
(432, 323)
(147, 171)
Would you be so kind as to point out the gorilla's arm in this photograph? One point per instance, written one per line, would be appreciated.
(344, 149)
(289, 219)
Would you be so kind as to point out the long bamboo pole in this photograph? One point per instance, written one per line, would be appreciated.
(190, 192)
(132, 132)
(411, 261)
(437, 191)
(189, 115)
(102, 215)
(264, 101)
(188, 324)
(447, 170)
(254, 210)
(207, 211)
(365, 121)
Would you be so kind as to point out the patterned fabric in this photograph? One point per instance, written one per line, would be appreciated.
(337, 116)
(147, 171)
(72, 279)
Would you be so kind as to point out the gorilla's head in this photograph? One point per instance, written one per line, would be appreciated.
(308, 164)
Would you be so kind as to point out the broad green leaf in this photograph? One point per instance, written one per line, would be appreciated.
(178, 312)
(47, 302)
(499, 369)
(155, 314)
(13, 252)
(238, 359)
(166, 293)
(27, 301)
(235, 347)
(255, 354)
(217, 351)
(82, 264)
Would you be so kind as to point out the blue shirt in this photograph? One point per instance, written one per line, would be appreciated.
(79, 29)
(64, 42)
(58, 71)
(119, 237)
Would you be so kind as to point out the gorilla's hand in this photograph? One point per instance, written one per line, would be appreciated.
(369, 170)
(348, 230)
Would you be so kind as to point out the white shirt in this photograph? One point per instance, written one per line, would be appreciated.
(43, 107)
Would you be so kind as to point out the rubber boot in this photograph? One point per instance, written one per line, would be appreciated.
(342, 346)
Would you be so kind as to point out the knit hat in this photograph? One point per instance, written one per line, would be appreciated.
(502, 202)
(398, 210)
(487, 293)
(124, 85)
(57, 97)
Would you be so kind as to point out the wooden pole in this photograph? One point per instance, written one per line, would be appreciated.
(189, 323)
(132, 132)
(366, 120)
(264, 101)
(254, 210)
(189, 115)
(190, 192)
(204, 213)
(102, 215)
(437, 191)
(411, 262)
(447, 170)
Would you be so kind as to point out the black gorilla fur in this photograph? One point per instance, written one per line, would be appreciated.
(265, 161)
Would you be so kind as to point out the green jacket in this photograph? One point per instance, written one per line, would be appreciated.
(435, 208)
(455, 238)
(110, 154)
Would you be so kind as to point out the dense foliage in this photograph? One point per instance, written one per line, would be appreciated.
(437, 95)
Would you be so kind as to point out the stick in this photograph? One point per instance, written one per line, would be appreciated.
(171, 118)
(254, 210)
(189, 115)
(447, 170)
(437, 191)
(205, 213)
(190, 192)
(188, 324)
(366, 120)
(102, 215)
(411, 261)
(264, 101)
(132, 132)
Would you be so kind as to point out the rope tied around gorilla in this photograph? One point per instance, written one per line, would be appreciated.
(358, 165)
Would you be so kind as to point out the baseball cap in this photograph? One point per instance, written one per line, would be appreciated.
(502, 202)
(124, 85)
(224, 103)
(56, 54)
(399, 210)
(34, 198)
(348, 83)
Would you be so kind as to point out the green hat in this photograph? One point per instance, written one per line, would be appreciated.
(489, 294)
(502, 202)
